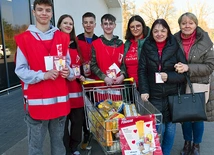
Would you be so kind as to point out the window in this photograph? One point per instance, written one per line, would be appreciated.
(15, 16)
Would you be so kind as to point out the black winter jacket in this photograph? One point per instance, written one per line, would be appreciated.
(148, 66)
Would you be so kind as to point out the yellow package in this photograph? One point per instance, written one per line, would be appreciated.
(114, 117)
(104, 113)
(117, 104)
(105, 105)
(108, 134)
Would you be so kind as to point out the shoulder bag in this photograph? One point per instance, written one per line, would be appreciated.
(187, 107)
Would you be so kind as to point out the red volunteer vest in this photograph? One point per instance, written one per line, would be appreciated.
(85, 49)
(46, 99)
(75, 87)
(106, 56)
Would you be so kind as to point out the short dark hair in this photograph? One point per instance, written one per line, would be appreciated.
(39, 2)
(138, 18)
(163, 23)
(108, 17)
(88, 14)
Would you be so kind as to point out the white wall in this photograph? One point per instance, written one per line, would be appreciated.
(76, 9)
(118, 14)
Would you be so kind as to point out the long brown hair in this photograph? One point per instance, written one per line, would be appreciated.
(72, 34)
(138, 18)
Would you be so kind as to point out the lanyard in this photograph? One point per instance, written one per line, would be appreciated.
(88, 48)
(48, 50)
(159, 60)
(111, 56)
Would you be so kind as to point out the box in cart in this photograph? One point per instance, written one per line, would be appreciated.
(138, 136)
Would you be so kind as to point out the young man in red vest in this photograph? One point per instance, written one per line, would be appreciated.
(107, 53)
(42, 64)
(85, 43)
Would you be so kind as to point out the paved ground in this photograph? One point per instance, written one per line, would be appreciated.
(13, 140)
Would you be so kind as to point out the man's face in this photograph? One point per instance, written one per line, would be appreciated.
(108, 26)
(43, 14)
(88, 24)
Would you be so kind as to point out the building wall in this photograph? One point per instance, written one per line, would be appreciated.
(76, 9)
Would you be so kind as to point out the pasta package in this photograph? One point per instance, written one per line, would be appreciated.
(118, 105)
(106, 106)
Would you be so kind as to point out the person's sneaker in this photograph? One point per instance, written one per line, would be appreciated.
(76, 153)
(85, 141)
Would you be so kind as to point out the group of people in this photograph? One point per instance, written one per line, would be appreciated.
(155, 58)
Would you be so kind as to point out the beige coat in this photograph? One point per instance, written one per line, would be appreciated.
(210, 103)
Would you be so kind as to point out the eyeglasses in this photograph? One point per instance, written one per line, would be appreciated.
(108, 24)
(137, 27)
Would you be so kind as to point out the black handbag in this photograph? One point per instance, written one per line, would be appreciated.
(187, 107)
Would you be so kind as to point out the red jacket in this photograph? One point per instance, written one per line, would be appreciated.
(47, 99)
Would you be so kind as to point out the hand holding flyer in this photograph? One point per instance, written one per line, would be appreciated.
(59, 62)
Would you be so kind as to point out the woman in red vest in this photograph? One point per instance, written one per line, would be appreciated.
(72, 140)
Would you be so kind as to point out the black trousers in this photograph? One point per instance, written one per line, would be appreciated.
(73, 133)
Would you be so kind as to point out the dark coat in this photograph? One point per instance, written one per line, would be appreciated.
(148, 66)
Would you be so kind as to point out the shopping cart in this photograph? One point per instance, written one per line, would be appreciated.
(96, 120)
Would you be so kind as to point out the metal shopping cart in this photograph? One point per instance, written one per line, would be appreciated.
(96, 120)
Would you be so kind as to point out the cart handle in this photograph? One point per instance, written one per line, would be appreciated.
(101, 81)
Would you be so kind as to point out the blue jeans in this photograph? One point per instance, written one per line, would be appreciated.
(168, 135)
(193, 131)
(37, 130)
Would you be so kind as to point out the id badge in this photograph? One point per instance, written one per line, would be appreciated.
(111, 73)
(86, 68)
(48, 62)
(76, 69)
(114, 66)
(158, 78)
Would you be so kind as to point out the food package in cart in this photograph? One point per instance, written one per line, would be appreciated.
(130, 110)
(98, 127)
(138, 136)
(114, 118)
(106, 105)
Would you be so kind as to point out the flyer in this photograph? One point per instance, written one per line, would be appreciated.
(59, 62)
(138, 136)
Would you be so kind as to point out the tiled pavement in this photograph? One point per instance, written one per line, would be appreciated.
(13, 140)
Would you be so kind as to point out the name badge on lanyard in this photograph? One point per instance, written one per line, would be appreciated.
(158, 78)
(48, 62)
